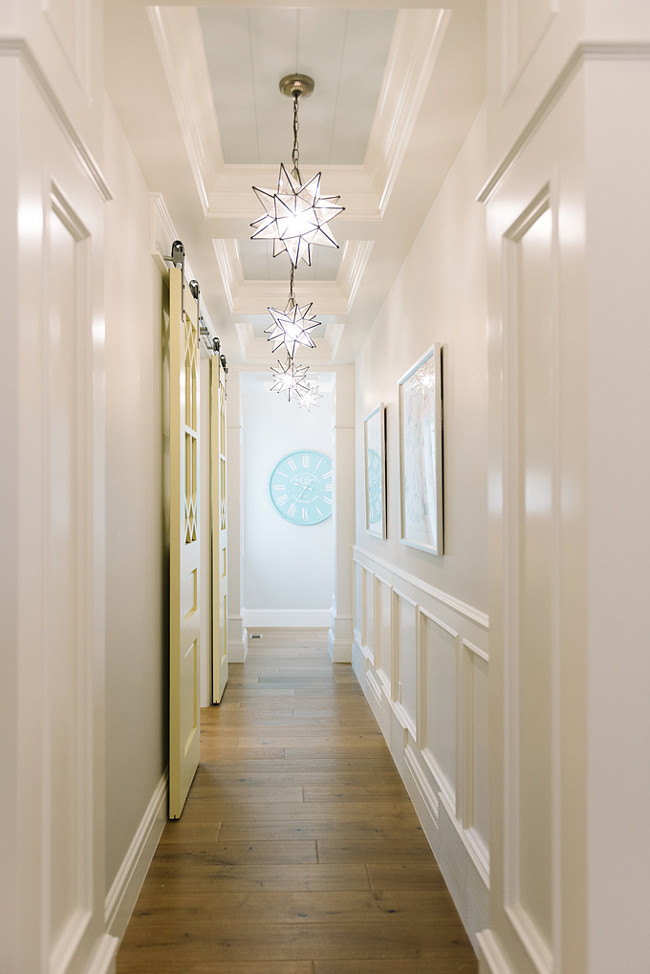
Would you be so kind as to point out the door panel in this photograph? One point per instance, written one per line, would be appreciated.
(184, 709)
(219, 530)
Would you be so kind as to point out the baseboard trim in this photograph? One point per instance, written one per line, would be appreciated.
(121, 898)
(490, 955)
(103, 960)
(287, 619)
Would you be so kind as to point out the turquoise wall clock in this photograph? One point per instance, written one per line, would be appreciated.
(301, 487)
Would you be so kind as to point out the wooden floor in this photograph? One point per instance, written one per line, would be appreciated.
(298, 851)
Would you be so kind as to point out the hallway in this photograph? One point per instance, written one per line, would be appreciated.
(298, 851)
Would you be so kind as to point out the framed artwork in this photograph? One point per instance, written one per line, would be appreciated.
(420, 433)
(374, 448)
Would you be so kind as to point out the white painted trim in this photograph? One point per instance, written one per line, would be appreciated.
(18, 47)
(103, 960)
(584, 51)
(491, 957)
(287, 618)
(360, 556)
(538, 950)
(416, 44)
(122, 896)
(427, 793)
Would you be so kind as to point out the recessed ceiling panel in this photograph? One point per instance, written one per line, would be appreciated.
(250, 49)
(259, 264)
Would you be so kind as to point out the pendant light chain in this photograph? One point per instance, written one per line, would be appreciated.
(295, 151)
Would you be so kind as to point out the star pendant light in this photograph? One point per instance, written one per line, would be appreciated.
(296, 215)
(310, 397)
(289, 378)
(291, 327)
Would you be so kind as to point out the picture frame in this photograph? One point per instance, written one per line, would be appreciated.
(374, 451)
(421, 457)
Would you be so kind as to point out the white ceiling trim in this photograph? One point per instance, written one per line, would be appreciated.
(254, 297)
(225, 190)
(188, 78)
(417, 40)
(329, 297)
(355, 257)
(258, 349)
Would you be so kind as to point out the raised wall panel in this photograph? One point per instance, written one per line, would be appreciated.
(383, 633)
(68, 811)
(529, 575)
(436, 723)
(406, 662)
(369, 613)
(476, 805)
(438, 649)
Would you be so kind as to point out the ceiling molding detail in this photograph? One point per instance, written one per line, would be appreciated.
(353, 264)
(189, 84)
(230, 268)
(417, 41)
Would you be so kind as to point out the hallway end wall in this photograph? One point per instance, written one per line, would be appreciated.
(421, 629)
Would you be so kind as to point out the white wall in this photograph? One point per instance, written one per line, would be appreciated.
(52, 488)
(288, 569)
(421, 624)
(568, 224)
(136, 547)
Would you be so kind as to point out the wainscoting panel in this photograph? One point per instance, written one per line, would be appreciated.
(383, 634)
(474, 791)
(428, 687)
(439, 646)
(406, 660)
(530, 575)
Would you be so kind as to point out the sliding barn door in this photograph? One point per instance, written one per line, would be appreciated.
(219, 529)
(184, 541)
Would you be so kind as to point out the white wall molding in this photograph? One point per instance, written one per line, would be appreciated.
(103, 960)
(402, 706)
(237, 639)
(362, 555)
(583, 53)
(416, 44)
(491, 957)
(122, 896)
(19, 48)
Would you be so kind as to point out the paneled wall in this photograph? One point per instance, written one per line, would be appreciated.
(569, 530)
(52, 502)
(421, 627)
(422, 660)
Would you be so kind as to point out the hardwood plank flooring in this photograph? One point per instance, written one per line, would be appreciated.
(298, 851)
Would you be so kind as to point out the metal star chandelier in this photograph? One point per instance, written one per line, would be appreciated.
(295, 219)
(296, 215)
(291, 327)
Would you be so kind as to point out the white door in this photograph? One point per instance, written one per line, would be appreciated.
(184, 552)
(219, 529)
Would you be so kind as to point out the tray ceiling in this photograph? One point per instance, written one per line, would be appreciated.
(396, 90)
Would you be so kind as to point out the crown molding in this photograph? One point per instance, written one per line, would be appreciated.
(416, 43)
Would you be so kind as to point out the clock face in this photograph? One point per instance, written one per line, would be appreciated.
(301, 487)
